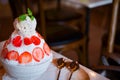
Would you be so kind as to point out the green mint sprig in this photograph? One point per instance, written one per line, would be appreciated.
(23, 16)
(30, 14)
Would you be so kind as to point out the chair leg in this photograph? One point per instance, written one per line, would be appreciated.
(58, 5)
(83, 57)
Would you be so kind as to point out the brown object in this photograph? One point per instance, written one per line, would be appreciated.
(74, 66)
(109, 52)
(83, 75)
(59, 63)
(2, 71)
(113, 26)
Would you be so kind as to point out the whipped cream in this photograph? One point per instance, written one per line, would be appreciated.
(26, 27)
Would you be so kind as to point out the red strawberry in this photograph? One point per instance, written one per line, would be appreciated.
(25, 57)
(6, 43)
(12, 55)
(46, 49)
(27, 41)
(9, 40)
(17, 41)
(39, 35)
(37, 54)
(4, 52)
(35, 40)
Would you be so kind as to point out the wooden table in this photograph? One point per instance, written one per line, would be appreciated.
(89, 4)
(52, 70)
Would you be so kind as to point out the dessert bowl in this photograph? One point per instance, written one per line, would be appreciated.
(26, 72)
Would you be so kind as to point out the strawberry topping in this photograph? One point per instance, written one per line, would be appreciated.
(46, 49)
(6, 43)
(4, 52)
(25, 57)
(39, 35)
(35, 40)
(27, 41)
(38, 54)
(17, 41)
(12, 55)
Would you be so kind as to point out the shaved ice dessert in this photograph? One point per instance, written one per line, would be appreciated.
(25, 55)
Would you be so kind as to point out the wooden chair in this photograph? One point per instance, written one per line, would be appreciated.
(110, 60)
(58, 36)
(61, 13)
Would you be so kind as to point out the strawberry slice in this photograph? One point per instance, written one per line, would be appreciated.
(27, 41)
(39, 35)
(4, 52)
(17, 41)
(37, 54)
(46, 49)
(6, 43)
(12, 55)
(25, 58)
(35, 40)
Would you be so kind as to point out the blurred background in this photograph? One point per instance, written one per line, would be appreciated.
(100, 21)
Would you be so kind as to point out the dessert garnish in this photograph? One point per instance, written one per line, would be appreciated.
(59, 63)
(72, 66)
(1, 66)
(23, 16)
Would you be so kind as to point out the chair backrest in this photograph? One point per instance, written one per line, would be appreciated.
(113, 26)
(109, 54)
(37, 6)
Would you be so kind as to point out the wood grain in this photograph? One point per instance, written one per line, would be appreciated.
(2, 71)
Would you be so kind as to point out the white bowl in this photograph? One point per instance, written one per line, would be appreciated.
(23, 72)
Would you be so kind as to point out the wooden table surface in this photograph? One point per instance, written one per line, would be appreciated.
(90, 3)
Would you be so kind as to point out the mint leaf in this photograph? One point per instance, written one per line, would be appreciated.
(32, 17)
(29, 12)
(22, 17)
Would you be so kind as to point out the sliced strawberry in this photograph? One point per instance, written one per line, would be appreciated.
(5, 44)
(46, 49)
(38, 54)
(27, 41)
(35, 40)
(9, 40)
(12, 55)
(39, 35)
(25, 58)
(17, 41)
(4, 52)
